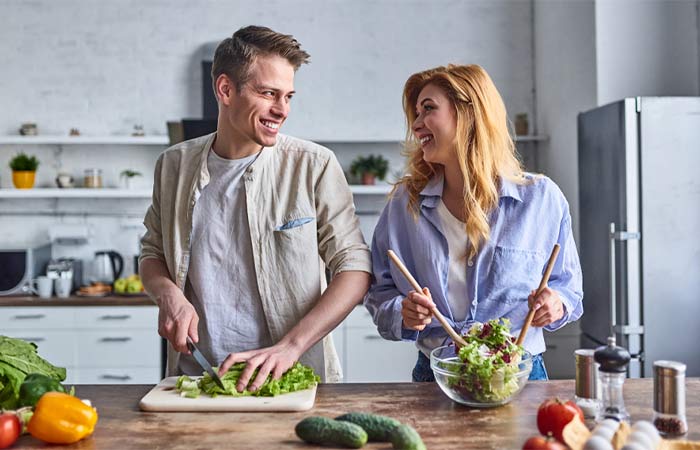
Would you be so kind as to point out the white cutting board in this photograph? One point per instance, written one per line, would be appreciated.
(164, 397)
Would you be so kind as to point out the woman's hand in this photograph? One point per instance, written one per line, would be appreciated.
(548, 307)
(417, 310)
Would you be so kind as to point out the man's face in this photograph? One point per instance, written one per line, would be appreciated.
(256, 114)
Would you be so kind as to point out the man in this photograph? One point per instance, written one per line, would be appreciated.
(238, 221)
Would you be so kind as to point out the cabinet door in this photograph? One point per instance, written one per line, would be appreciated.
(55, 346)
(103, 317)
(118, 375)
(33, 317)
(119, 348)
(372, 359)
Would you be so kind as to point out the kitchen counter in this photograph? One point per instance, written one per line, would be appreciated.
(442, 424)
(108, 300)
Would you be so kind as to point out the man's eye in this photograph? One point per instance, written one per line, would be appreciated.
(269, 93)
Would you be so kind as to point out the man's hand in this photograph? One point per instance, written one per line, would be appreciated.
(177, 319)
(417, 310)
(275, 360)
(548, 307)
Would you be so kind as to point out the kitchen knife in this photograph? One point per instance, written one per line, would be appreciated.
(202, 361)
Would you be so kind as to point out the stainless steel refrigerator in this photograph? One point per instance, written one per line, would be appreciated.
(639, 187)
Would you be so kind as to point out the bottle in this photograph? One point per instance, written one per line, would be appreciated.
(587, 387)
(613, 362)
(669, 398)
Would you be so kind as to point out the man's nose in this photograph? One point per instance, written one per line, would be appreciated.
(280, 108)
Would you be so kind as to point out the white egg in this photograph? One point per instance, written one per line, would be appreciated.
(605, 432)
(648, 429)
(641, 438)
(633, 446)
(598, 443)
(609, 423)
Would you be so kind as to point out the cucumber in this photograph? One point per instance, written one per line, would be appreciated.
(405, 437)
(378, 427)
(324, 431)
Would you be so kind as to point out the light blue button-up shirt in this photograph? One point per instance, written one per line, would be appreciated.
(528, 221)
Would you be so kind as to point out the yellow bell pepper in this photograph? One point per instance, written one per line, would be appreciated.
(61, 419)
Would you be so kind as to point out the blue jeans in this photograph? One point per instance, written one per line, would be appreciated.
(423, 372)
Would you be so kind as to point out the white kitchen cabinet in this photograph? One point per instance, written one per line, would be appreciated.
(367, 357)
(96, 344)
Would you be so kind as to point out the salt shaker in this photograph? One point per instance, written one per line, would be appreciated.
(587, 397)
(669, 398)
(613, 362)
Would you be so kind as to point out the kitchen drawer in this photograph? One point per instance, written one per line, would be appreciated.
(359, 318)
(102, 317)
(57, 347)
(119, 348)
(118, 375)
(372, 359)
(23, 317)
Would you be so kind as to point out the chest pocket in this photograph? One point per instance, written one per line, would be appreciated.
(295, 236)
(513, 273)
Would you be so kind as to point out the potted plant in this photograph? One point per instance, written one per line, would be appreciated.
(127, 175)
(369, 167)
(23, 170)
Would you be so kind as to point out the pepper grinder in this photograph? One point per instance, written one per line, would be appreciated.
(613, 362)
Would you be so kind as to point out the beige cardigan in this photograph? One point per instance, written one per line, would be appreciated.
(299, 208)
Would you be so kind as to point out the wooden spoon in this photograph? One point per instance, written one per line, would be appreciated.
(453, 334)
(543, 284)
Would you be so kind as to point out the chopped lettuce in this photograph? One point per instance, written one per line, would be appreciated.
(491, 359)
(297, 378)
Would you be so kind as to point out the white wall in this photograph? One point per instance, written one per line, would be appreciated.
(647, 47)
(102, 67)
(565, 81)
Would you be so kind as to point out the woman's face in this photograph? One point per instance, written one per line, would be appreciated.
(435, 126)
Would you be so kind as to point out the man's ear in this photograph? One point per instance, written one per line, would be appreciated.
(225, 89)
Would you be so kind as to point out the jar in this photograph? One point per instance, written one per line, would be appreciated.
(522, 126)
(93, 178)
(669, 398)
(587, 387)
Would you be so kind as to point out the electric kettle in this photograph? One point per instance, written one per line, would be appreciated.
(106, 266)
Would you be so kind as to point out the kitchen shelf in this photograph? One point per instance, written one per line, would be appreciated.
(531, 138)
(522, 138)
(81, 140)
(381, 189)
(75, 193)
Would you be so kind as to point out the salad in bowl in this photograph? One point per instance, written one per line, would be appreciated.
(489, 371)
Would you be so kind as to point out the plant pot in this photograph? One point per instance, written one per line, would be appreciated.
(23, 179)
(367, 178)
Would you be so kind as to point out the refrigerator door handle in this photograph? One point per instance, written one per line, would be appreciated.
(615, 236)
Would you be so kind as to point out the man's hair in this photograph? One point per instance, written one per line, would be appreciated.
(234, 56)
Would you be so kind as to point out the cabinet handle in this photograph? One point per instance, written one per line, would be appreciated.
(116, 317)
(33, 339)
(115, 377)
(373, 337)
(115, 339)
(29, 316)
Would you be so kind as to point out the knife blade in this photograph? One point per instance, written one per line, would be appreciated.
(202, 361)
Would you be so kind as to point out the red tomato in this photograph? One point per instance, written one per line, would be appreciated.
(543, 443)
(554, 414)
(10, 429)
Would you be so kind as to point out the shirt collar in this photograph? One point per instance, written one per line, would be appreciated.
(432, 192)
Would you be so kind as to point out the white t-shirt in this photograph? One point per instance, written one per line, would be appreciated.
(455, 233)
(221, 282)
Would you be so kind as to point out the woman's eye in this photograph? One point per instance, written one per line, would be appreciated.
(428, 107)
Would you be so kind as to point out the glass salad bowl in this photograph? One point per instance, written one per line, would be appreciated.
(483, 387)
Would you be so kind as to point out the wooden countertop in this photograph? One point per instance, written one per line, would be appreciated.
(109, 300)
(443, 424)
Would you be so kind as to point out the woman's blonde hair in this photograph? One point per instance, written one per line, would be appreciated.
(483, 143)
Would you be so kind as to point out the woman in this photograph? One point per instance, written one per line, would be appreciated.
(469, 224)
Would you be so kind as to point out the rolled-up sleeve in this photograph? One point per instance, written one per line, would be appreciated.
(340, 241)
(383, 301)
(152, 241)
(566, 277)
